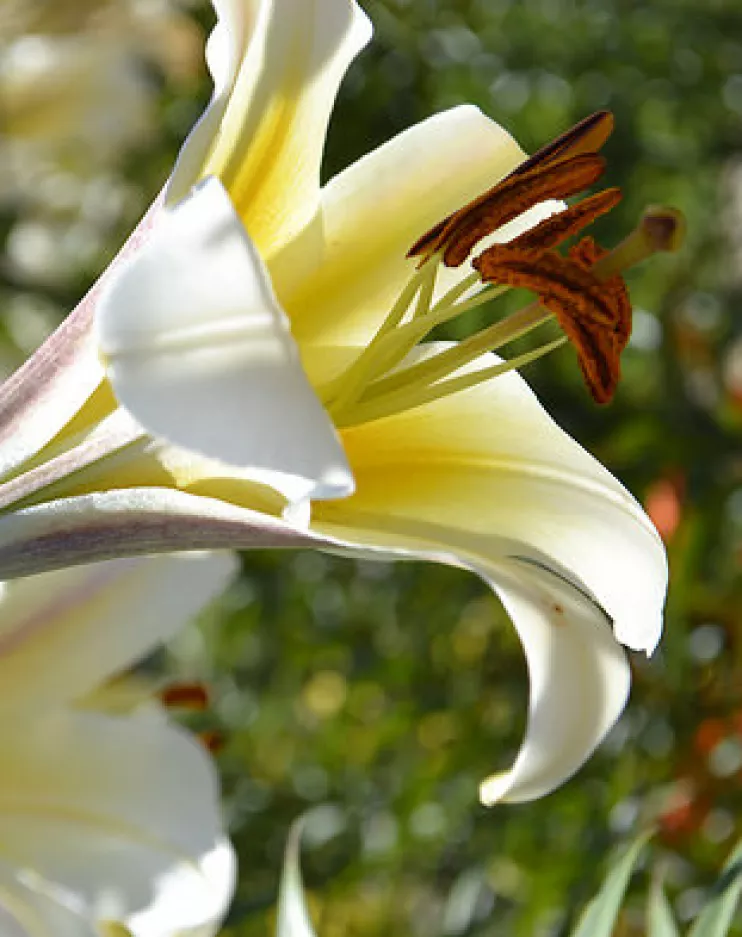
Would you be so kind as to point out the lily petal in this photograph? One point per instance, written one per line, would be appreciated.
(29, 908)
(200, 352)
(490, 462)
(372, 213)
(118, 831)
(579, 678)
(41, 396)
(63, 634)
(484, 479)
(225, 49)
(135, 521)
(48, 390)
(277, 65)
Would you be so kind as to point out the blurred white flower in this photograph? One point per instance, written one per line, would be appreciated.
(104, 817)
(77, 86)
(58, 93)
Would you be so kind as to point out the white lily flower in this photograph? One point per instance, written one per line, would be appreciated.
(257, 359)
(104, 818)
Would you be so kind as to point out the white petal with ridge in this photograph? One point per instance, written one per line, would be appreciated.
(199, 351)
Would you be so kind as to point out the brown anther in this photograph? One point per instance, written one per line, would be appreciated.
(548, 275)
(587, 253)
(458, 234)
(587, 136)
(562, 168)
(185, 696)
(565, 224)
(594, 314)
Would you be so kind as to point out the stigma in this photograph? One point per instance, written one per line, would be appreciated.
(582, 288)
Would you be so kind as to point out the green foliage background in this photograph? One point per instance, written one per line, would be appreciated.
(390, 691)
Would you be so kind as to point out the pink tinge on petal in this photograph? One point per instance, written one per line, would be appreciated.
(51, 386)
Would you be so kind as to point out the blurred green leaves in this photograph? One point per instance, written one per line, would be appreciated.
(600, 917)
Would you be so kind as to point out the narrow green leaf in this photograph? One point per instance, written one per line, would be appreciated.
(716, 917)
(660, 919)
(599, 917)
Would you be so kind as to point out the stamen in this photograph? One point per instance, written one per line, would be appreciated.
(565, 224)
(419, 394)
(660, 229)
(393, 348)
(584, 139)
(592, 313)
(587, 136)
(584, 290)
(340, 393)
(462, 231)
(457, 291)
(412, 385)
(587, 253)
(427, 289)
(551, 277)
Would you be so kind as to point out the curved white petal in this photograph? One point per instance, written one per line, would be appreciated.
(133, 521)
(199, 351)
(121, 815)
(225, 49)
(178, 904)
(47, 391)
(277, 65)
(43, 395)
(62, 634)
(490, 462)
(486, 480)
(339, 280)
(579, 679)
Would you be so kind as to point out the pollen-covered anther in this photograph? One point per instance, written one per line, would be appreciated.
(191, 696)
(457, 236)
(595, 314)
(586, 136)
(564, 167)
(552, 231)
